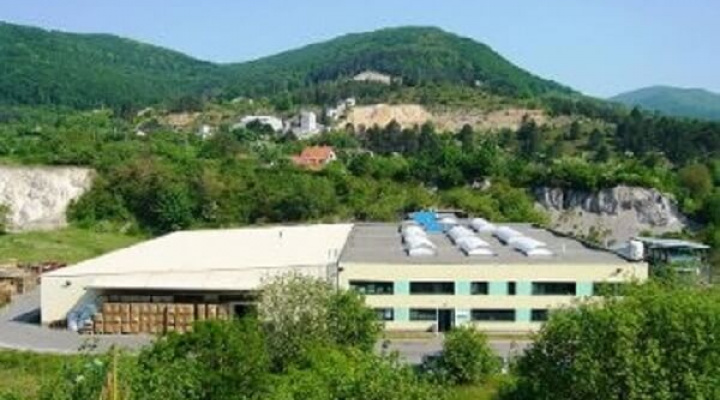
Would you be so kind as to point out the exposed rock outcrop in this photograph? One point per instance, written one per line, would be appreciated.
(38, 197)
(611, 215)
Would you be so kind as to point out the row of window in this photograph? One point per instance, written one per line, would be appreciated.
(484, 315)
(476, 288)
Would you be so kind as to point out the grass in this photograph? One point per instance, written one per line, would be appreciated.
(68, 245)
(22, 374)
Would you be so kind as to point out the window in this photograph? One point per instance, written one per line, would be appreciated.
(423, 314)
(511, 288)
(479, 288)
(492, 315)
(385, 314)
(538, 315)
(372, 287)
(432, 287)
(553, 288)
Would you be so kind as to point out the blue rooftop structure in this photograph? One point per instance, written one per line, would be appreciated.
(428, 220)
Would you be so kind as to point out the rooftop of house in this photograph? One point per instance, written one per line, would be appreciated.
(382, 243)
(317, 152)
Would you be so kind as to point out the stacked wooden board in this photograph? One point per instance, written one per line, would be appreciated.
(154, 318)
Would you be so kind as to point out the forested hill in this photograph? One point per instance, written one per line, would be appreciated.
(91, 70)
(679, 102)
(414, 54)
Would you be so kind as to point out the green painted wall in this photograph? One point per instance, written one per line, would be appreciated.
(497, 288)
(462, 288)
(401, 314)
(401, 287)
(584, 289)
(524, 288)
(522, 315)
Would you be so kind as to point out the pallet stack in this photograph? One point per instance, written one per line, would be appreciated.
(154, 318)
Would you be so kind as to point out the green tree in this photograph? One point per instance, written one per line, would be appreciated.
(466, 357)
(696, 178)
(300, 312)
(331, 373)
(218, 360)
(654, 343)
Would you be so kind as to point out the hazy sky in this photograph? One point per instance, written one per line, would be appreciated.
(600, 47)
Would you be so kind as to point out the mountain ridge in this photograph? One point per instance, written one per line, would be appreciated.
(674, 101)
(92, 70)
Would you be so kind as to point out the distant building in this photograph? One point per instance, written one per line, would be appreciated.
(315, 157)
(373, 76)
(341, 108)
(273, 122)
(205, 131)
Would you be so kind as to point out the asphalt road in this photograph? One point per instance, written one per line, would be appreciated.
(19, 330)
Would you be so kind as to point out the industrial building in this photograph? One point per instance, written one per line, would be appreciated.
(430, 272)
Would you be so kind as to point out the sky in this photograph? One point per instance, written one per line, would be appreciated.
(600, 47)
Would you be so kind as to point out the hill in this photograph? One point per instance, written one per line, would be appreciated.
(679, 102)
(415, 54)
(92, 70)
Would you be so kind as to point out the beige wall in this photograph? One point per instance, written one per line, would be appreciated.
(620, 271)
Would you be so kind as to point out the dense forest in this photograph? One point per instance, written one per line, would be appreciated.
(90, 71)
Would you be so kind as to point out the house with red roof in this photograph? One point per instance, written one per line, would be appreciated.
(315, 157)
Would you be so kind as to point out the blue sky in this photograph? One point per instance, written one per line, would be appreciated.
(600, 47)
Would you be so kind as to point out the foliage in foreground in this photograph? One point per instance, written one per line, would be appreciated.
(655, 343)
(466, 358)
(301, 313)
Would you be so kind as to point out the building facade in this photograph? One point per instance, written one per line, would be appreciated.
(431, 274)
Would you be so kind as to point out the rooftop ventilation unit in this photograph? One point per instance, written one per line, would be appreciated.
(471, 242)
(418, 241)
(458, 232)
(530, 246)
(413, 230)
(506, 234)
(420, 252)
(482, 225)
(474, 246)
(478, 251)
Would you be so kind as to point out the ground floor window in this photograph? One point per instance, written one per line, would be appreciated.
(372, 287)
(538, 315)
(492, 315)
(553, 288)
(423, 314)
(385, 314)
(479, 288)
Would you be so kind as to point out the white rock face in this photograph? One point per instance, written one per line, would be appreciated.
(614, 214)
(39, 196)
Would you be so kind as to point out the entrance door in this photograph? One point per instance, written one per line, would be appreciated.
(446, 317)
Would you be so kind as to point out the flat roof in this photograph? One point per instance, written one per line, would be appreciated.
(382, 243)
(671, 243)
(189, 254)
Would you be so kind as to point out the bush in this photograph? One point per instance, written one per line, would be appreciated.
(654, 343)
(466, 358)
